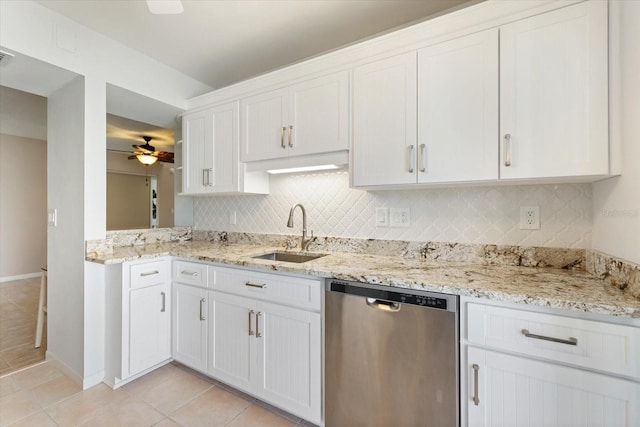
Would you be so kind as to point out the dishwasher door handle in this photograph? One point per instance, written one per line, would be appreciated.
(383, 305)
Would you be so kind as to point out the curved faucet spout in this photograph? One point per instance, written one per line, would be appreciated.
(305, 242)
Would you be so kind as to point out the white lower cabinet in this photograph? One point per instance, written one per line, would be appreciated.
(266, 349)
(190, 326)
(530, 368)
(516, 391)
(138, 319)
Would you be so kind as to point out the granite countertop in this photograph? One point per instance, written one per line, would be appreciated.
(547, 287)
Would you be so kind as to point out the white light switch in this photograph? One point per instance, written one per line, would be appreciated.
(52, 217)
(382, 217)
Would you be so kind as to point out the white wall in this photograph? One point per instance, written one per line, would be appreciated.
(466, 215)
(23, 206)
(65, 246)
(23, 114)
(616, 201)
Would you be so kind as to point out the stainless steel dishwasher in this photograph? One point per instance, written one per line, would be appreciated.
(391, 357)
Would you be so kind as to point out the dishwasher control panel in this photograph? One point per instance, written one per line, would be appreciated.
(419, 298)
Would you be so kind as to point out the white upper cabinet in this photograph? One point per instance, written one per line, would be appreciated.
(384, 121)
(458, 109)
(553, 94)
(210, 154)
(306, 118)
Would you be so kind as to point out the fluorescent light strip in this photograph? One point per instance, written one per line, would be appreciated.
(303, 169)
(165, 7)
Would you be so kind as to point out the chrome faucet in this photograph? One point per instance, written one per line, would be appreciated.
(305, 242)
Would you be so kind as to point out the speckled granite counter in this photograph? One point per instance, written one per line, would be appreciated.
(548, 287)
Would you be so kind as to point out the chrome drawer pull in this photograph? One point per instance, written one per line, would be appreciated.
(282, 130)
(476, 399)
(189, 273)
(255, 285)
(164, 300)
(258, 334)
(250, 331)
(201, 311)
(151, 273)
(569, 341)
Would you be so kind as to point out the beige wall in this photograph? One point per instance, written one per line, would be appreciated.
(119, 163)
(23, 205)
(128, 201)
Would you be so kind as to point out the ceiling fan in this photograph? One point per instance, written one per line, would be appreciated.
(147, 154)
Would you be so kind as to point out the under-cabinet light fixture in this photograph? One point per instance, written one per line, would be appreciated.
(303, 169)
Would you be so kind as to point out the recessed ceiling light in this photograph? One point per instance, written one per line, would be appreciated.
(165, 7)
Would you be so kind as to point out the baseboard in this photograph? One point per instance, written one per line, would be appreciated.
(20, 277)
(57, 363)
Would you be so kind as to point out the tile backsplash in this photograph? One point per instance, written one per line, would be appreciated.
(487, 215)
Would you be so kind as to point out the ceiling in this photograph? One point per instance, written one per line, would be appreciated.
(219, 42)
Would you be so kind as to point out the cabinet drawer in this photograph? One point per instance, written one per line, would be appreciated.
(293, 291)
(596, 345)
(148, 273)
(190, 273)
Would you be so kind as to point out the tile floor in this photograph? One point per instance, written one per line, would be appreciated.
(169, 396)
(18, 313)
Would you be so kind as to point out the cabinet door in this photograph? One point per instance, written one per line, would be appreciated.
(149, 332)
(384, 122)
(319, 114)
(232, 340)
(514, 391)
(289, 354)
(224, 177)
(190, 313)
(553, 93)
(263, 120)
(197, 152)
(458, 109)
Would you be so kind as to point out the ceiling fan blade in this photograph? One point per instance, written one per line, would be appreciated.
(131, 157)
(165, 7)
(164, 156)
(146, 149)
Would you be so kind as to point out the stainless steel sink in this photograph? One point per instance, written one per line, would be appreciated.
(288, 257)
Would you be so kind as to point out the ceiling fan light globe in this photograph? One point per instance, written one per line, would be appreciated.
(146, 159)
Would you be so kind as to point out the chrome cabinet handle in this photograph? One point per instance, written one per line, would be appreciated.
(411, 159)
(476, 399)
(164, 301)
(209, 180)
(150, 273)
(282, 130)
(423, 160)
(290, 138)
(202, 317)
(189, 273)
(255, 285)
(569, 341)
(507, 149)
(258, 334)
(250, 314)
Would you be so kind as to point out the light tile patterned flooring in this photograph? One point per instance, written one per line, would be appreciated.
(169, 396)
(18, 314)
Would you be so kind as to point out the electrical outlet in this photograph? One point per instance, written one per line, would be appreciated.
(529, 218)
(232, 218)
(382, 217)
(399, 217)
